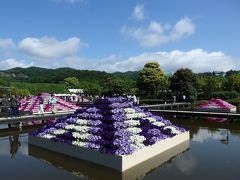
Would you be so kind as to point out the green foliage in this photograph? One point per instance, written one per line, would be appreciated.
(151, 79)
(72, 83)
(116, 86)
(3, 82)
(90, 88)
(21, 92)
(35, 88)
(184, 81)
(233, 82)
(231, 72)
(225, 94)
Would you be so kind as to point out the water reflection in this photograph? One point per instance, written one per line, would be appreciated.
(14, 145)
(205, 134)
(186, 164)
(89, 170)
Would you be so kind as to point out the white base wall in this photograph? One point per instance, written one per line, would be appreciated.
(120, 163)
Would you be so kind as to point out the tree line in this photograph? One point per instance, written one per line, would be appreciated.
(150, 82)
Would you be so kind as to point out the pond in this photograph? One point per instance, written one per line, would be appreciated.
(214, 152)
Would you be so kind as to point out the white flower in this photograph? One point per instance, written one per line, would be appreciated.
(135, 115)
(133, 122)
(79, 143)
(151, 119)
(82, 129)
(137, 139)
(158, 123)
(173, 129)
(138, 145)
(82, 136)
(82, 121)
(129, 110)
(48, 136)
(134, 130)
(59, 131)
(70, 127)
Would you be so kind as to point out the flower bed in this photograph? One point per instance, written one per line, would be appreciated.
(31, 104)
(216, 105)
(112, 126)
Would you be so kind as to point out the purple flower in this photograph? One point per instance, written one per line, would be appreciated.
(119, 142)
(154, 132)
(92, 110)
(93, 146)
(66, 141)
(94, 122)
(94, 130)
(71, 120)
(61, 125)
(125, 150)
(138, 109)
(50, 130)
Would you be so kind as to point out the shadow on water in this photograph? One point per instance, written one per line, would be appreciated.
(14, 144)
(92, 171)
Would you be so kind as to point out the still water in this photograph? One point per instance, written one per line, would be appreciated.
(213, 153)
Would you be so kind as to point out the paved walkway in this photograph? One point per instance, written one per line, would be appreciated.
(7, 120)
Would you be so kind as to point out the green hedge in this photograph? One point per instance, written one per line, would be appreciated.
(219, 94)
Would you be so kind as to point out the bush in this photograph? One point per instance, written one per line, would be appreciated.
(225, 94)
(219, 94)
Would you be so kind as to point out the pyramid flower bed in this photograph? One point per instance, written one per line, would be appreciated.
(111, 126)
(31, 104)
(216, 105)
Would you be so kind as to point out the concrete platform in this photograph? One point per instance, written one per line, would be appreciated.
(119, 163)
(89, 170)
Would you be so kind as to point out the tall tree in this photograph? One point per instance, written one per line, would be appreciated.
(184, 82)
(71, 82)
(115, 86)
(151, 79)
(233, 82)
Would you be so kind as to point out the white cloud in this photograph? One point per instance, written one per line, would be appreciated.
(157, 33)
(138, 12)
(46, 47)
(70, 1)
(11, 63)
(186, 164)
(6, 47)
(183, 28)
(197, 59)
(206, 135)
(6, 43)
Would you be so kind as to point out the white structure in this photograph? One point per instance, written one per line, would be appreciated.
(76, 91)
(118, 162)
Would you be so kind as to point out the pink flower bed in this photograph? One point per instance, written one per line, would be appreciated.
(31, 104)
(216, 103)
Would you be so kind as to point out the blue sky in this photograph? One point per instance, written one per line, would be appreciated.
(120, 35)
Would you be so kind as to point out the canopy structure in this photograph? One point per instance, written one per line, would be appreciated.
(31, 104)
(216, 105)
(112, 132)
(77, 91)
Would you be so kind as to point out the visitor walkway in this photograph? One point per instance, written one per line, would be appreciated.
(197, 113)
(168, 106)
(33, 117)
